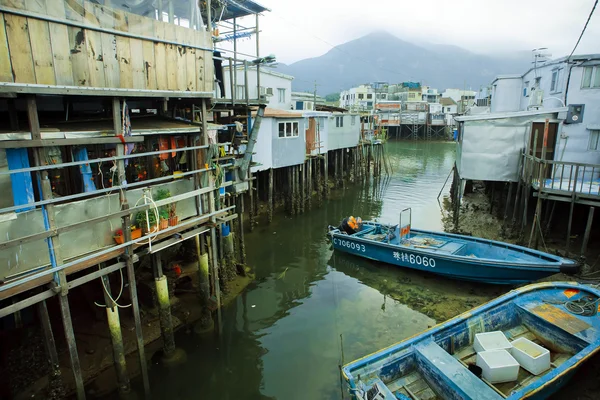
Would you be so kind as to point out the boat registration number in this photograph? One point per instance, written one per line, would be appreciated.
(350, 245)
(414, 259)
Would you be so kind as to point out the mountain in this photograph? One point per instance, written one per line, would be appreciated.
(381, 56)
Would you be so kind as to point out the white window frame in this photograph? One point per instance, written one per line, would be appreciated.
(595, 70)
(555, 83)
(353, 120)
(339, 121)
(594, 143)
(281, 95)
(291, 129)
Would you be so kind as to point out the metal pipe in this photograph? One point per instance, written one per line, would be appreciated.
(100, 160)
(43, 17)
(110, 189)
(252, 138)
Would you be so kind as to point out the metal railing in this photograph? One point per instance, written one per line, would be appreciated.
(561, 177)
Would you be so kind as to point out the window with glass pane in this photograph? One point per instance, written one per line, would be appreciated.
(591, 77)
(282, 129)
(281, 93)
(594, 140)
(295, 129)
(288, 129)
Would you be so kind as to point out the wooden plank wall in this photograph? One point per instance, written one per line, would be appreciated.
(37, 51)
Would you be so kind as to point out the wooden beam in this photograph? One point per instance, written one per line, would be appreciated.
(15, 144)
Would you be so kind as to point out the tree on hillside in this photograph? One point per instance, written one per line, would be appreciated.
(332, 97)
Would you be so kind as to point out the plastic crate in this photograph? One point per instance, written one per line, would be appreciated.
(498, 366)
(533, 357)
(491, 341)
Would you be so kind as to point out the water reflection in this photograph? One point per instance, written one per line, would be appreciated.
(309, 309)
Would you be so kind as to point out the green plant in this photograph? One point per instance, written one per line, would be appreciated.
(140, 219)
(163, 211)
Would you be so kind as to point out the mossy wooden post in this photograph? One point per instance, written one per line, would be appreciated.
(588, 230)
(170, 354)
(116, 337)
(336, 179)
(206, 321)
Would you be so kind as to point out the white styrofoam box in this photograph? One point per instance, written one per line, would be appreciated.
(498, 366)
(533, 357)
(491, 341)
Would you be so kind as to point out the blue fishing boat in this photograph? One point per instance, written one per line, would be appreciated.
(436, 364)
(454, 256)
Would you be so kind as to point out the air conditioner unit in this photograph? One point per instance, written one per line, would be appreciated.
(536, 99)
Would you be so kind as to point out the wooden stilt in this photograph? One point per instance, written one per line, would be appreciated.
(588, 230)
(241, 232)
(309, 190)
(54, 379)
(342, 171)
(270, 205)
(251, 212)
(511, 186)
(54, 250)
(116, 337)
(336, 177)
(164, 306)
(573, 194)
(326, 175)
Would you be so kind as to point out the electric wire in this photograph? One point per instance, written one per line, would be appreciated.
(584, 28)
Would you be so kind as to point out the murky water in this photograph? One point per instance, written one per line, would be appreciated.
(310, 310)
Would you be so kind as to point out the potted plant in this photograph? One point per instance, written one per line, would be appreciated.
(163, 211)
(141, 221)
(173, 218)
(119, 238)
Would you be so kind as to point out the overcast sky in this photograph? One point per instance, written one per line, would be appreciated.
(295, 30)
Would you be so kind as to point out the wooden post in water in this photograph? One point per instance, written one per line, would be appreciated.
(270, 205)
(302, 186)
(55, 379)
(511, 186)
(573, 194)
(203, 283)
(535, 229)
(336, 177)
(164, 308)
(309, 190)
(54, 249)
(241, 231)
(116, 337)
(325, 175)
(588, 230)
(251, 213)
(290, 186)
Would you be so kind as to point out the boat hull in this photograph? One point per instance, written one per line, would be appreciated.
(437, 359)
(462, 268)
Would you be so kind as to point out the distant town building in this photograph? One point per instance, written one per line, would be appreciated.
(463, 98)
(360, 98)
(305, 101)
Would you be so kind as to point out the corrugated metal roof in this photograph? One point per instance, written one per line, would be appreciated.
(447, 101)
(241, 8)
(277, 113)
(513, 114)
